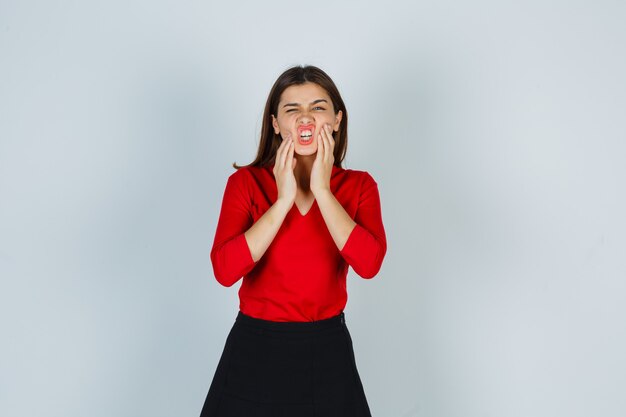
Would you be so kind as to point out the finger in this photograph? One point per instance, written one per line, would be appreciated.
(277, 159)
(279, 153)
(281, 145)
(320, 147)
(326, 144)
(330, 145)
(283, 156)
(331, 139)
(290, 152)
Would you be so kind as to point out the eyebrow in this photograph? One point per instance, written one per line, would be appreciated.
(320, 100)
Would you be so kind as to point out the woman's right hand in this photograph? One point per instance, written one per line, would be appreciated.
(283, 171)
(260, 235)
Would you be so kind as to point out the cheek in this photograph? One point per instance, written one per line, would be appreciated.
(285, 123)
(330, 119)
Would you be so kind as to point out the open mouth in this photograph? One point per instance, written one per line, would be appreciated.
(305, 134)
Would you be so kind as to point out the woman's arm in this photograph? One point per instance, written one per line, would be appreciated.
(230, 254)
(262, 233)
(338, 221)
(367, 244)
(239, 242)
(362, 241)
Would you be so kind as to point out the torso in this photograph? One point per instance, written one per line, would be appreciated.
(302, 275)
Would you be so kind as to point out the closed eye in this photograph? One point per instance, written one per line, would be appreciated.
(314, 108)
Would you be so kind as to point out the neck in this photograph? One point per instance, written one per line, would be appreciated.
(302, 171)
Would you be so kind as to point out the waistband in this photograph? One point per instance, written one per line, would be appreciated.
(291, 326)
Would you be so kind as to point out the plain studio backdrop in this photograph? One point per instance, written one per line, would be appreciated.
(495, 131)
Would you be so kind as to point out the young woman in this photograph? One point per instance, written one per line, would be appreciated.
(290, 224)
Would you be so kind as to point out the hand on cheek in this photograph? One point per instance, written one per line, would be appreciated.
(324, 160)
(283, 169)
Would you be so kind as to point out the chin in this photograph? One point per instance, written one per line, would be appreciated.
(306, 150)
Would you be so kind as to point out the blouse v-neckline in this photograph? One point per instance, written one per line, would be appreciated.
(308, 211)
(295, 207)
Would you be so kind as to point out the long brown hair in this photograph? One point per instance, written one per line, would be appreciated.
(297, 75)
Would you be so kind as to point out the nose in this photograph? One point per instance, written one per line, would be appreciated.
(305, 118)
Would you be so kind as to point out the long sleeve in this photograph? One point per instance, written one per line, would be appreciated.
(367, 244)
(230, 255)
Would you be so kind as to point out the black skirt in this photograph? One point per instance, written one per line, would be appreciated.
(290, 369)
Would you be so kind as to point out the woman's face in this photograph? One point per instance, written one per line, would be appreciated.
(303, 110)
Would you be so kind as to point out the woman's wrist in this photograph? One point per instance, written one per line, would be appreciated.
(283, 204)
(321, 193)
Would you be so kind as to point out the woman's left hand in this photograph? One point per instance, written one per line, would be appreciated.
(324, 160)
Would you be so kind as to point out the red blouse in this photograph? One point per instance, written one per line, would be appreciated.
(302, 275)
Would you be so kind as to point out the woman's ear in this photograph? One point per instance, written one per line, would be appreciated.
(338, 117)
(275, 125)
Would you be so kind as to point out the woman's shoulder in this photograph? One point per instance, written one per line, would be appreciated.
(246, 170)
(356, 175)
(247, 173)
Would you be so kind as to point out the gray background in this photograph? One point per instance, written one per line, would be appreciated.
(495, 131)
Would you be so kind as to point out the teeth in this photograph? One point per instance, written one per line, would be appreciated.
(306, 134)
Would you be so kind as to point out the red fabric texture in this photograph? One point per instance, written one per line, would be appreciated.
(302, 275)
